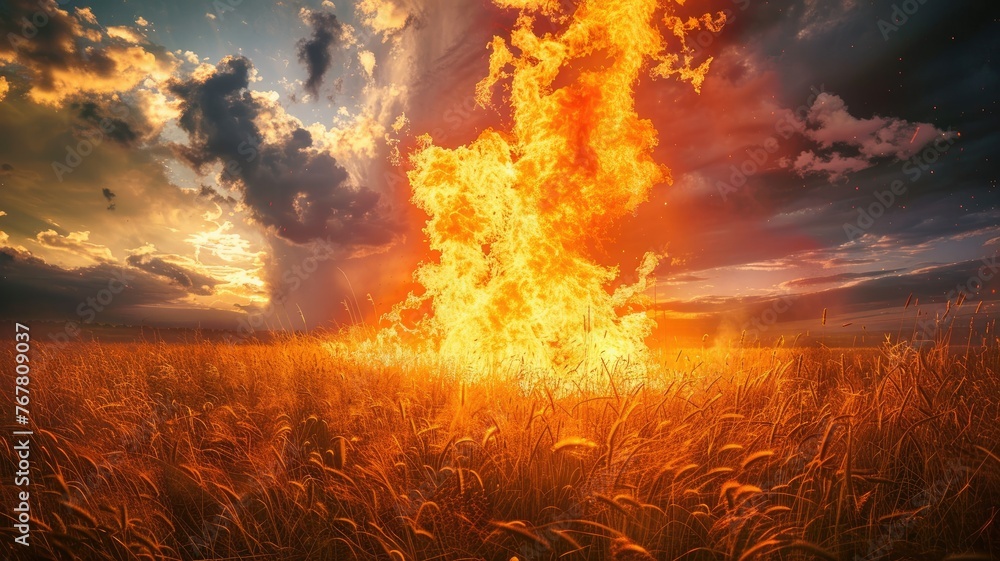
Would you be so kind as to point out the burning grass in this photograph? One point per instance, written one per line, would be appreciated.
(284, 451)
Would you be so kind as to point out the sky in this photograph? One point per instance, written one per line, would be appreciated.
(210, 163)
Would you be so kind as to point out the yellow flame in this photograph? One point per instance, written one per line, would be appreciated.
(513, 213)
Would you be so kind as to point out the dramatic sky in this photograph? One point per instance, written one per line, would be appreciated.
(205, 162)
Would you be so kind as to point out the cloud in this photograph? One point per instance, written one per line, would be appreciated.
(835, 166)
(191, 281)
(214, 196)
(927, 227)
(124, 33)
(840, 278)
(289, 186)
(43, 291)
(820, 16)
(92, 115)
(931, 284)
(689, 278)
(68, 56)
(356, 139)
(864, 301)
(853, 144)
(86, 14)
(76, 243)
(135, 165)
(316, 52)
(4, 87)
(384, 16)
(367, 60)
(133, 120)
(110, 196)
(223, 244)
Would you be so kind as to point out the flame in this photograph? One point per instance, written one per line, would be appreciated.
(511, 215)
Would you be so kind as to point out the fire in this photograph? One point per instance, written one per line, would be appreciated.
(513, 213)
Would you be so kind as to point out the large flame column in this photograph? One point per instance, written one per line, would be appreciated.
(513, 213)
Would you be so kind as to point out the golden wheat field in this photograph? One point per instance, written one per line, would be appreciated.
(286, 450)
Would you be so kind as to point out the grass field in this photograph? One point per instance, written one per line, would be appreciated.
(288, 450)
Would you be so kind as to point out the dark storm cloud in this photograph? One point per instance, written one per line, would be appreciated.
(931, 225)
(841, 277)
(934, 284)
(301, 194)
(190, 281)
(316, 53)
(36, 289)
(927, 212)
(934, 69)
(937, 70)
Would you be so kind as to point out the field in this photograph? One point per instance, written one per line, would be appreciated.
(289, 450)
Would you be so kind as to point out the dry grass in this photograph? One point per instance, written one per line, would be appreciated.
(284, 451)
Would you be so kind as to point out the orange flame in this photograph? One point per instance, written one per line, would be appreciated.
(511, 214)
